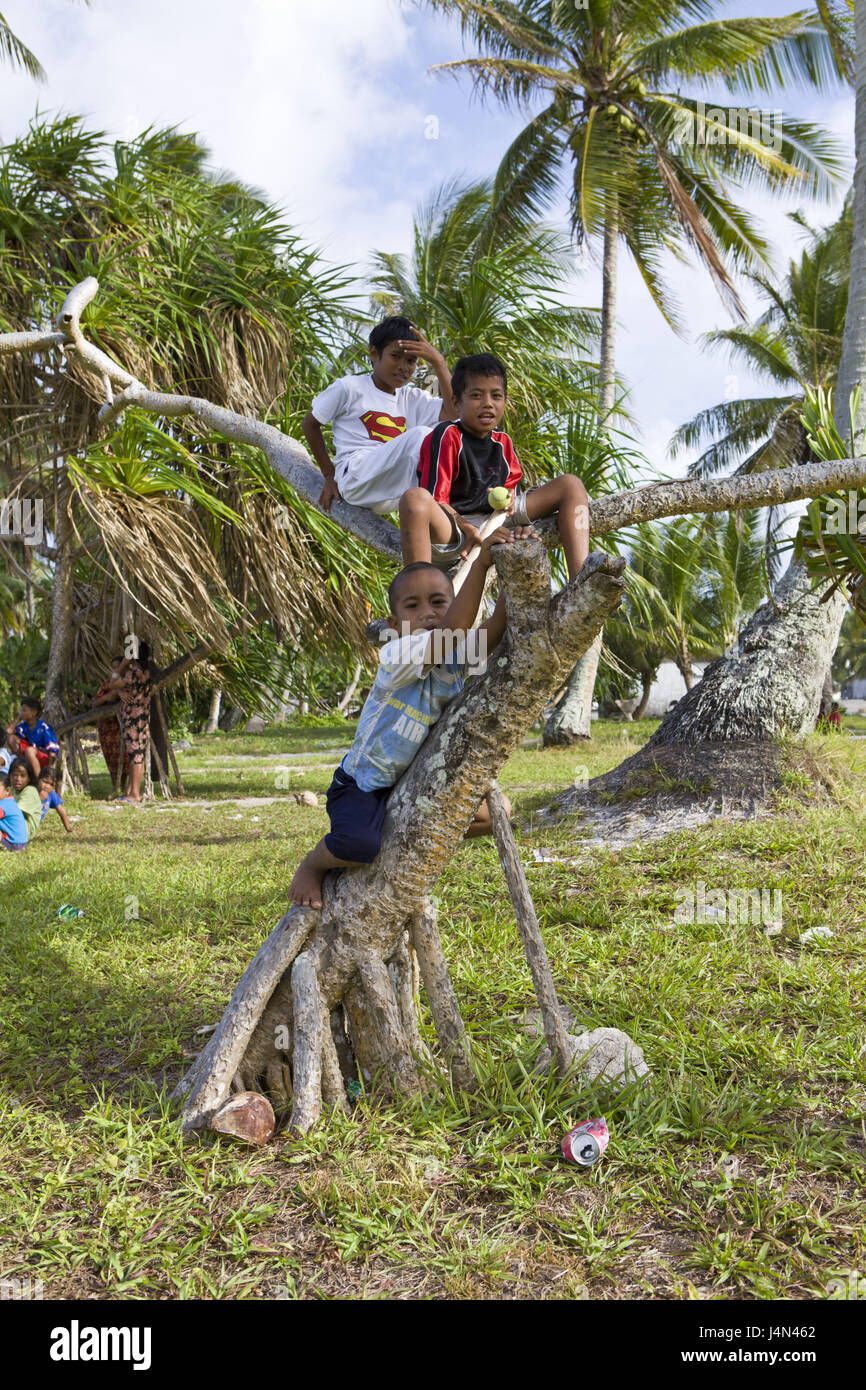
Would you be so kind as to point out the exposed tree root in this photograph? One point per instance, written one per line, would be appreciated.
(670, 787)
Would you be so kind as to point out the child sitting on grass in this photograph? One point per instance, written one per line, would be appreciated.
(463, 460)
(39, 746)
(408, 696)
(13, 827)
(51, 800)
(378, 421)
(23, 787)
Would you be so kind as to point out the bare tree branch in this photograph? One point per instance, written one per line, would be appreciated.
(289, 458)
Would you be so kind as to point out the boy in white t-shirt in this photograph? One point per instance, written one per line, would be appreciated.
(378, 421)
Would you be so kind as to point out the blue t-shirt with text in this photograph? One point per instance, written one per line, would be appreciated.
(406, 700)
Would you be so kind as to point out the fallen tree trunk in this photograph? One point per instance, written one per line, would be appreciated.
(337, 976)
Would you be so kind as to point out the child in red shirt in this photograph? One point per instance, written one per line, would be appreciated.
(463, 460)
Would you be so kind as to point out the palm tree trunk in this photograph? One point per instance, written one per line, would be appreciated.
(684, 662)
(571, 719)
(343, 706)
(62, 631)
(607, 363)
(646, 682)
(213, 719)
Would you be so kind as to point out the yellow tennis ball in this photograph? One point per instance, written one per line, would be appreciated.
(499, 498)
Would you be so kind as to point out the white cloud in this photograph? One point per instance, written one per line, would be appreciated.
(323, 106)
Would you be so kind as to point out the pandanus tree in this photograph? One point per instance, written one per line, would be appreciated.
(155, 529)
(331, 993)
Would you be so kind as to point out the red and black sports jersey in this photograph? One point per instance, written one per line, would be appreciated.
(459, 468)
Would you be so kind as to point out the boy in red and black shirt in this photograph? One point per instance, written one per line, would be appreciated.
(463, 460)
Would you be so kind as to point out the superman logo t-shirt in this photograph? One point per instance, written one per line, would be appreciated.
(363, 417)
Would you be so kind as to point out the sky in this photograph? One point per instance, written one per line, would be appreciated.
(332, 111)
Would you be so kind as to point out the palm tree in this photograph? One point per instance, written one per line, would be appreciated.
(735, 574)
(478, 284)
(796, 344)
(13, 51)
(632, 652)
(838, 20)
(849, 663)
(672, 561)
(649, 165)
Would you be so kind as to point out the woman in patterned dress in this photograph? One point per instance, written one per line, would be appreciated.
(132, 684)
(109, 733)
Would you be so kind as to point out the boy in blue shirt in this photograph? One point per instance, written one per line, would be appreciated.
(51, 800)
(13, 827)
(412, 688)
(39, 746)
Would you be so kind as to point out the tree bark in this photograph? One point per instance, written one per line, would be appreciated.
(776, 682)
(343, 706)
(367, 910)
(772, 685)
(571, 718)
(213, 718)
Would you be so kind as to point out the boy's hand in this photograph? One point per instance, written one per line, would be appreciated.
(503, 536)
(330, 493)
(420, 346)
(472, 535)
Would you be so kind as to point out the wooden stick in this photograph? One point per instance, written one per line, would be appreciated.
(82, 759)
(527, 923)
(487, 527)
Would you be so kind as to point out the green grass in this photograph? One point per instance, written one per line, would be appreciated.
(755, 1044)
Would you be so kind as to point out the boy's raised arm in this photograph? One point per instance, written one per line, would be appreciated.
(430, 354)
(464, 609)
(319, 449)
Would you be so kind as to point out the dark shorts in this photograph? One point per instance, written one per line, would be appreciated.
(356, 819)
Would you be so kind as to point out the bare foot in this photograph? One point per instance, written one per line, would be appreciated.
(306, 887)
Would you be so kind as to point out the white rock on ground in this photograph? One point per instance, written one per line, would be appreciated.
(603, 1054)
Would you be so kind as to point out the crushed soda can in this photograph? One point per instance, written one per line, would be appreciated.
(586, 1143)
(69, 910)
